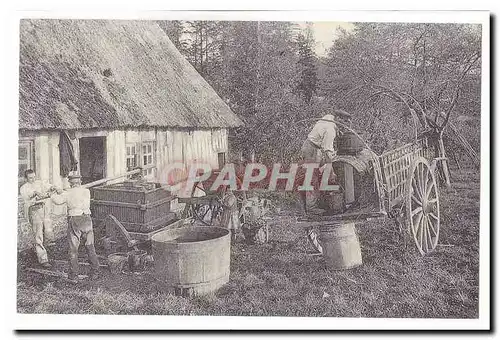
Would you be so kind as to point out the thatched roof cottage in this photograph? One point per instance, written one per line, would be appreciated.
(123, 93)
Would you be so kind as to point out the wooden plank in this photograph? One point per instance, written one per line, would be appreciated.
(133, 205)
(147, 236)
(61, 275)
(104, 180)
(63, 263)
(351, 217)
(198, 200)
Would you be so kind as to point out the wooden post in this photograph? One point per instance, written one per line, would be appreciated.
(349, 183)
(349, 193)
(444, 163)
(456, 161)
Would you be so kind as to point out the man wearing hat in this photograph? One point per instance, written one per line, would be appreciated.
(321, 138)
(80, 228)
(319, 142)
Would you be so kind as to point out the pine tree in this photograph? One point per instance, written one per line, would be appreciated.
(174, 30)
(307, 65)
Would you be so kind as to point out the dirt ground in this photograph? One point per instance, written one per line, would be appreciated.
(282, 278)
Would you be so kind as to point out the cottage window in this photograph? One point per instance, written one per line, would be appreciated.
(148, 158)
(131, 156)
(26, 157)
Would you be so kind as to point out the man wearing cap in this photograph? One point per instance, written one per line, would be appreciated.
(319, 141)
(37, 211)
(80, 228)
(321, 138)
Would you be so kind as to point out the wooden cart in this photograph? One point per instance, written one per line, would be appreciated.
(407, 190)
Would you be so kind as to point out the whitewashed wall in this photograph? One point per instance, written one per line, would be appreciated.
(116, 158)
(171, 146)
(189, 147)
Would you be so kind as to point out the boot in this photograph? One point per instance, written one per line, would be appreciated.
(94, 262)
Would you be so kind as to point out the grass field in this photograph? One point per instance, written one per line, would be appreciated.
(282, 278)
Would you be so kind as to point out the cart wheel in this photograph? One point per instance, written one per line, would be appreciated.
(422, 206)
(200, 211)
(313, 237)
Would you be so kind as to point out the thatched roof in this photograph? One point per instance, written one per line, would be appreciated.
(81, 74)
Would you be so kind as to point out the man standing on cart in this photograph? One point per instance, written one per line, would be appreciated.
(318, 147)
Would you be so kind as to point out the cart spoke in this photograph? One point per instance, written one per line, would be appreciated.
(416, 223)
(431, 226)
(416, 211)
(425, 232)
(433, 216)
(421, 234)
(422, 175)
(428, 179)
(429, 236)
(415, 199)
(416, 187)
(423, 181)
(429, 190)
(432, 200)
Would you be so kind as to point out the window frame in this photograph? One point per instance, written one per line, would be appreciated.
(30, 157)
(222, 155)
(131, 156)
(149, 169)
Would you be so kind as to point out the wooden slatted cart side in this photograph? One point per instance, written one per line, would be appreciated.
(396, 168)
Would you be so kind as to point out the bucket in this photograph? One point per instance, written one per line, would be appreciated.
(192, 260)
(135, 262)
(116, 261)
(340, 245)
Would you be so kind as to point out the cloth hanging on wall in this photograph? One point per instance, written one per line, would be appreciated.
(66, 155)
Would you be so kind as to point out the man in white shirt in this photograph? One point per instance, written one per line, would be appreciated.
(319, 142)
(37, 212)
(80, 228)
(321, 138)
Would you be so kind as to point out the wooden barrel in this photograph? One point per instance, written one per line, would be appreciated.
(193, 260)
(349, 144)
(340, 245)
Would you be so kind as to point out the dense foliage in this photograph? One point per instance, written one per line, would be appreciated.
(389, 76)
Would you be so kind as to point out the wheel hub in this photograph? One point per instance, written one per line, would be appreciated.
(426, 207)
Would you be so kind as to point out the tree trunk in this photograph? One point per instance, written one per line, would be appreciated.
(456, 160)
(444, 163)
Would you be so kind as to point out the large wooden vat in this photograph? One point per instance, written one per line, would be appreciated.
(140, 207)
(193, 260)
